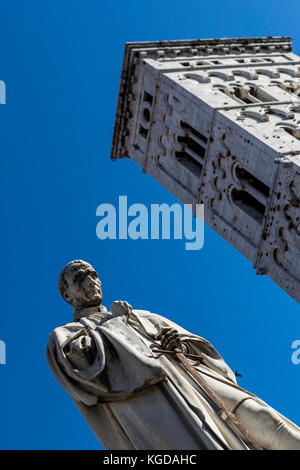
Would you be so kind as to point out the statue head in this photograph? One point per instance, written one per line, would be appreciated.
(79, 285)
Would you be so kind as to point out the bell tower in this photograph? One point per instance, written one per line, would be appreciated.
(217, 122)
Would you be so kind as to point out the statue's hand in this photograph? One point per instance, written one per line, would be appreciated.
(81, 344)
(81, 352)
(120, 307)
(170, 339)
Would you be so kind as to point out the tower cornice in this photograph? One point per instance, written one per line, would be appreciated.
(187, 48)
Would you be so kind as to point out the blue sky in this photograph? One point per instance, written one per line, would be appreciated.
(61, 62)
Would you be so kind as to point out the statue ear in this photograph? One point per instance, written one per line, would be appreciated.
(67, 297)
(65, 291)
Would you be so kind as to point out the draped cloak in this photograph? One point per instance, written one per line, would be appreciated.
(134, 398)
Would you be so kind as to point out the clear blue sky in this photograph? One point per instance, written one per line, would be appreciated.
(61, 62)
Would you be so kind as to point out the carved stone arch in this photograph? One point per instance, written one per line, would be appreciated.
(224, 75)
(258, 116)
(198, 77)
(284, 112)
(291, 72)
(290, 128)
(267, 72)
(246, 73)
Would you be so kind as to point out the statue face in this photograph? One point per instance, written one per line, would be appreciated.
(84, 286)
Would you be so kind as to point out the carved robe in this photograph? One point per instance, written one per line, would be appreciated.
(134, 398)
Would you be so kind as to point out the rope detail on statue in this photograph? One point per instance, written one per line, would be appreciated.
(223, 408)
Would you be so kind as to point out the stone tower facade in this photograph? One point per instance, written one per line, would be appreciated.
(218, 122)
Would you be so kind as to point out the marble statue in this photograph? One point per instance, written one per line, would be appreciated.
(136, 398)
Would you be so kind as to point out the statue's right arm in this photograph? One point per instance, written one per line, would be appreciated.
(77, 353)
